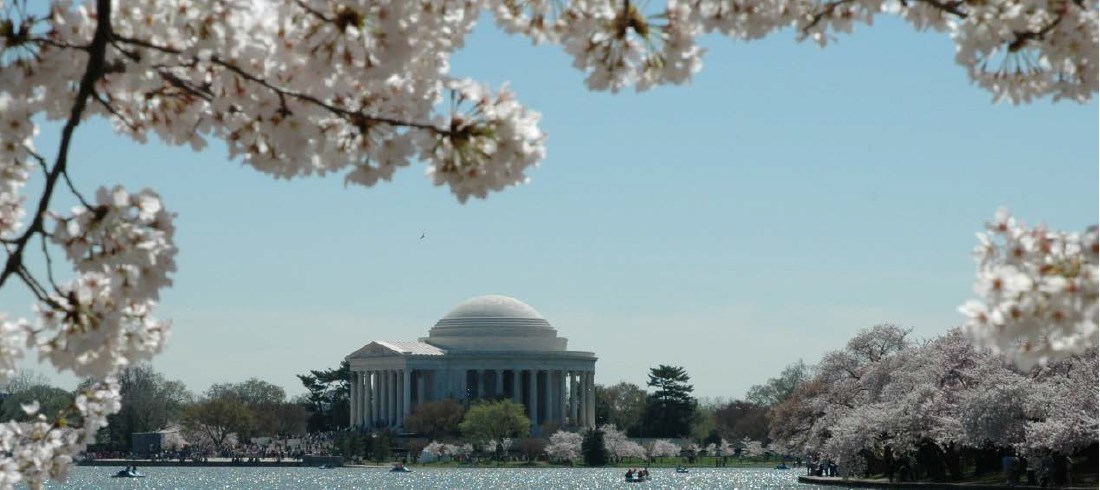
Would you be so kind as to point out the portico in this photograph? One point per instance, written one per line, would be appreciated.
(486, 348)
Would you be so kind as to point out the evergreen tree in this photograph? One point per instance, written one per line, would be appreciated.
(592, 448)
(671, 410)
(329, 397)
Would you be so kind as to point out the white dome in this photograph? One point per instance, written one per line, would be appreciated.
(494, 323)
(493, 306)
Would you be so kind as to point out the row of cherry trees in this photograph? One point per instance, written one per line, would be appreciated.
(886, 403)
(360, 88)
(565, 446)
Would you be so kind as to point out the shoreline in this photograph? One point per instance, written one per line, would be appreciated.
(227, 462)
(862, 483)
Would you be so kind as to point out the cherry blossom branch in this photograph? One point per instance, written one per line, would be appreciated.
(65, 175)
(826, 11)
(359, 118)
(31, 283)
(49, 264)
(949, 7)
(114, 112)
(93, 72)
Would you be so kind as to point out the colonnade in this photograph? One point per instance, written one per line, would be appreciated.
(382, 398)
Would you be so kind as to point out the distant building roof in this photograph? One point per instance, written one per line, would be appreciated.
(414, 348)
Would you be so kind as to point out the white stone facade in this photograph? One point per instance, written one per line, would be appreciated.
(487, 347)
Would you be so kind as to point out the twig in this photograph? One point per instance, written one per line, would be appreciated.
(356, 117)
(49, 264)
(93, 72)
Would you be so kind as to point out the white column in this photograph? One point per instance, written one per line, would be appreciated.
(560, 381)
(360, 399)
(394, 400)
(533, 401)
(406, 394)
(399, 399)
(377, 397)
(368, 395)
(380, 377)
(385, 397)
(573, 398)
(517, 385)
(399, 396)
(548, 395)
(354, 381)
(590, 406)
(420, 388)
(500, 384)
(582, 400)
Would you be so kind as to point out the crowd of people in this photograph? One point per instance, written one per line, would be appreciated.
(822, 467)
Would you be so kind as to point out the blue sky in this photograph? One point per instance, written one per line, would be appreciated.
(787, 198)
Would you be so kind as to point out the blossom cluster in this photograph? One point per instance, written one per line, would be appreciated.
(663, 448)
(724, 448)
(564, 446)
(440, 449)
(751, 448)
(1017, 50)
(1037, 291)
(619, 446)
(121, 249)
(37, 450)
(944, 393)
(491, 446)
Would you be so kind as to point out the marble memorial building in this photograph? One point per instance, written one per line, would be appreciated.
(487, 347)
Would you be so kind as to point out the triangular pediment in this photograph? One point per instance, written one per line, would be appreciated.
(376, 349)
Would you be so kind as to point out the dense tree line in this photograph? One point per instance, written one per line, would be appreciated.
(940, 409)
(150, 402)
(885, 404)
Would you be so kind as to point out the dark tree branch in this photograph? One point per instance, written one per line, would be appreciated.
(94, 71)
(114, 112)
(49, 264)
(358, 118)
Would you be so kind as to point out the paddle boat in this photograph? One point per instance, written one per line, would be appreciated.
(399, 468)
(129, 472)
(636, 476)
(781, 466)
(681, 469)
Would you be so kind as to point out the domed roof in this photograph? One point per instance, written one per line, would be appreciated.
(493, 306)
(494, 323)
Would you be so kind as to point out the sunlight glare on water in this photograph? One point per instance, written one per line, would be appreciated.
(429, 478)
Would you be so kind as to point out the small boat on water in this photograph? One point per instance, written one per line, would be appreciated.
(326, 467)
(636, 476)
(128, 473)
(399, 468)
(781, 466)
(681, 469)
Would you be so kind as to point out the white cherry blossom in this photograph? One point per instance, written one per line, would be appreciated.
(1037, 291)
(564, 446)
(363, 88)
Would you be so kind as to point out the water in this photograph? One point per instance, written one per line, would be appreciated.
(249, 478)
